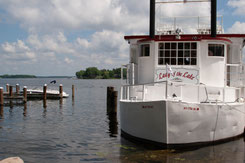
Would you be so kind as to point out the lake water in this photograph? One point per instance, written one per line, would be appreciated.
(79, 130)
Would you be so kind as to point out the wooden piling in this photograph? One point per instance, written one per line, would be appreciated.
(17, 89)
(111, 100)
(11, 91)
(25, 94)
(113, 124)
(73, 91)
(7, 88)
(114, 102)
(61, 91)
(45, 96)
(1, 96)
(45, 92)
(44, 104)
(109, 92)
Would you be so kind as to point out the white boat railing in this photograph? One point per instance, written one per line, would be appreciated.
(187, 24)
(177, 91)
(187, 92)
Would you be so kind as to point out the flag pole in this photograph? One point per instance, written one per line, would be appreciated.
(166, 82)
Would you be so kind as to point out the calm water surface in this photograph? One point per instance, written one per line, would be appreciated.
(79, 131)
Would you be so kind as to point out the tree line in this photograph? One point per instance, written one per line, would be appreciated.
(17, 76)
(95, 73)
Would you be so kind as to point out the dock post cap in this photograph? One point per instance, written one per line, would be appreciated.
(7, 84)
(61, 85)
(1, 87)
(17, 84)
(25, 87)
(45, 85)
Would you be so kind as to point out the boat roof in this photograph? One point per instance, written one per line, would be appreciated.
(185, 37)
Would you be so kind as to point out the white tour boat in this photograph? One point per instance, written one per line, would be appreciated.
(184, 88)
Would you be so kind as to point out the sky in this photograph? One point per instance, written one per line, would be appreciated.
(60, 37)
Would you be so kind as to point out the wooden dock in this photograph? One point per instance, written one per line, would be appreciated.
(21, 97)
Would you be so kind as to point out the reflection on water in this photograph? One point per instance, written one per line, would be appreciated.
(1, 111)
(79, 130)
(25, 110)
(227, 152)
(113, 125)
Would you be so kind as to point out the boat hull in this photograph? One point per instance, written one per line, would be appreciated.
(174, 123)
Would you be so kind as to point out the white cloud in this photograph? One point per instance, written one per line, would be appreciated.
(237, 27)
(17, 51)
(83, 43)
(50, 22)
(49, 16)
(239, 6)
(104, 49)
(68, 61)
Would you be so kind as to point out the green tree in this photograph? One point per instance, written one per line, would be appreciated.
(111, 74)
(117, 72)
(80, 74)
(104, 73)
(91, 73)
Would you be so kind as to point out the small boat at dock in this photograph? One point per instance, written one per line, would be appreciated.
(50, 93)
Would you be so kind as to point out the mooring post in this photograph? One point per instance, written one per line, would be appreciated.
(114, 102)
(1, 96)
(10, 91)
(61, 91)
(109, 92)
(17, 89)
(45, 92)
(45, 96)
(73, 91)
(7, 88)
(25, 94)
(111, 100)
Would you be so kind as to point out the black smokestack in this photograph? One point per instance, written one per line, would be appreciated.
(152, 19)
(213, 18)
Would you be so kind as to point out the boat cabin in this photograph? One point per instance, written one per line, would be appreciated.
(193, 59)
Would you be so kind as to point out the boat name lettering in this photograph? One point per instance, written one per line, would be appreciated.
(147, 107)
(175, 74)
(191, 108)
(179, 75)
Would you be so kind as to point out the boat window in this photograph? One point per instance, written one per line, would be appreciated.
(177, 53)
(145, 50)
(216, 50)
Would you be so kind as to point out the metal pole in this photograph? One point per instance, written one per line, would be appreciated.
(121, 74)
(166, 82)
(133, 74)
(152, 18)
(213, 18)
